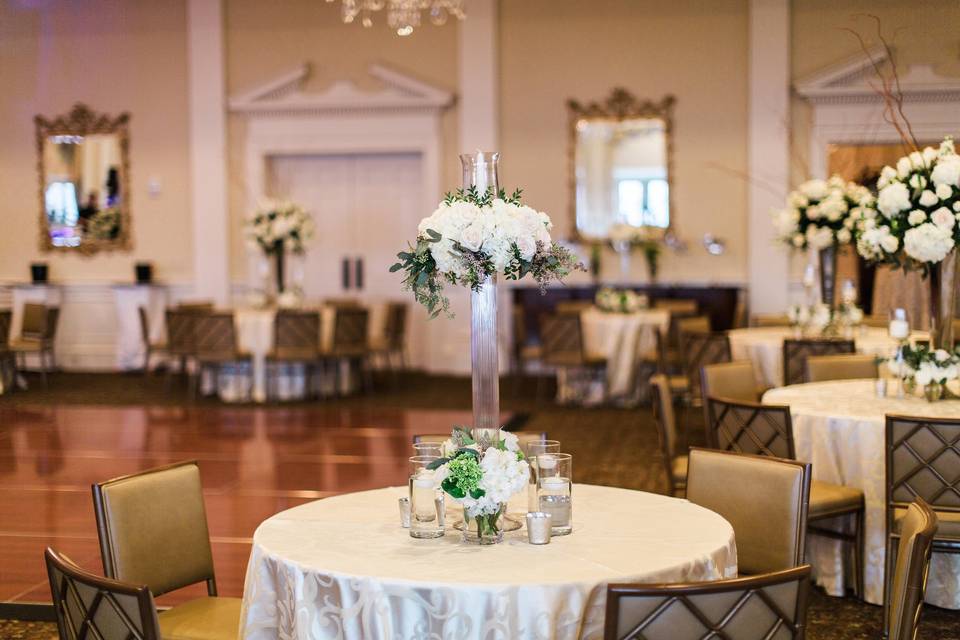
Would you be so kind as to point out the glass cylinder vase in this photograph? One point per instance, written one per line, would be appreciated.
(828, 274)
(480, 172)
(278, 256)
(484, 529)
(943, 298)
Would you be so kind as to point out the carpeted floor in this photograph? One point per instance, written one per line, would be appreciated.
(611, 446)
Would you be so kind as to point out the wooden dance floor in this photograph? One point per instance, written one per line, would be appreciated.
(253, 463)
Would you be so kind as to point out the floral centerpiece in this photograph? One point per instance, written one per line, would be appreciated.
(277, 227)
(930, 369)
(821, 215)
(105, 224)
(820, 319)
(624, 238)
(914, 226)
(482, 479)
(620, 300)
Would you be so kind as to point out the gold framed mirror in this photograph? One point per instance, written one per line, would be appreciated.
(620, 157)
(84, 168)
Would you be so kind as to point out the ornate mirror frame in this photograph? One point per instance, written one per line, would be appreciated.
(82, 121)
(619, 106)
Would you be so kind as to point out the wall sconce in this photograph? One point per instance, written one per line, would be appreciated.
(715, 246)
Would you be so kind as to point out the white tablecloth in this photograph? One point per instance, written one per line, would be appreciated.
(764, 347)
(621, 338)
(344, 568)
(839, 427)
(128, 299)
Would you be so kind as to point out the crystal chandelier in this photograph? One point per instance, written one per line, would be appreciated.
(402, 15)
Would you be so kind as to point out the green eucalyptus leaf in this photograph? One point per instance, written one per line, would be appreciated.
(436, 464)
(395, 267)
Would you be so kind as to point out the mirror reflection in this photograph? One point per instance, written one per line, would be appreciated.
(620, 164)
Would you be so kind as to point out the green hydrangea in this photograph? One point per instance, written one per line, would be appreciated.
(465, 472)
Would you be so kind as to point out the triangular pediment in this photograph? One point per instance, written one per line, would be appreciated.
(855, 80)
(398, 92)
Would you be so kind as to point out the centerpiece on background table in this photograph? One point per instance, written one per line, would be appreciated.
(474, 236)
(625, 238)
(914, 226)
(820, 216)
(620, 300)
(278, 227)
(930, 369)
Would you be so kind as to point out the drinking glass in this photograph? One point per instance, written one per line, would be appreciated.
(534, 449)
(433, 449)
(555, 490)
(426, 500)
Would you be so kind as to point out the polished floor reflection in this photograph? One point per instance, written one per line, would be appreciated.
(253, 462)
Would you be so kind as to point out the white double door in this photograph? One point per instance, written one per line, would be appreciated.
(365, 209)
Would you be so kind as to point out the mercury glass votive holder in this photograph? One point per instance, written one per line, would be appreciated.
(404, 512)
(539, 525)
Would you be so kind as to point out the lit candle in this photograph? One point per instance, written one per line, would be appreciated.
(899, 329)
(809, 276)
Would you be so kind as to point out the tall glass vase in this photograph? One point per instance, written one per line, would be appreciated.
(944, 281)
(279, 257)
(828, 274)
(480, 171)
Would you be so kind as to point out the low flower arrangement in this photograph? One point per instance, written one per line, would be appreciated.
(472, 236)
(626, 237)
(820, 319)
(620, 300)
(914, 222)
(822, 213)
(279, 225)
(481, 479)
(929, 369)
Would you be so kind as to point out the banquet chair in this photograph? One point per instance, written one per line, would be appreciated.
(679, 306)
(38, 333)
(522, 352)
(759, 429)
(181, 342)
(770, 320)
(922, 459)
(796, 352)
(771, 605)
(395, 335)
(350, 342)
(764, 499)
(698, 350)
(561, 336)
(202, 306)
(909, 582)
(664, 415)
(8, 365)
(737, 379)
(842, 367)
(669, 355)
(570, 306)
(90, 606)
(152, 528)
(215, 344)
(296, 340)
(149, 346)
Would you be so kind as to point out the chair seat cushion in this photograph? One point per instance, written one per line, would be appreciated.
(948, 526)
(202, 619)
(531, 352)
(26, 344)
(826, 499)
(679, 468)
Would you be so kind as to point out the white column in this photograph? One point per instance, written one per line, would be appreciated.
(479, 78)
(208, 158)
(768, 151)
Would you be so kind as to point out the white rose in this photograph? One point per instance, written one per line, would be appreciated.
(946, 147)
(814, 189)
(843, 236)
(916, 217)
(917, 181)
(943, 218)
(944, 191)
(956, 206)
(889, 243)
(904, 167)
(813, 212)
(929, 155)
(927, 243)
(887, 174)
(527, 247)
(917, 160)
(893, 199)
(797, 200)
(941, 355)
(472, 237)
(947, 171)
(928, 198)
(798, 240)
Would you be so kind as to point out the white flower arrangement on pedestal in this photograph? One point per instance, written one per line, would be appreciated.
(620, 300)
(279, 224)
(822, 213)
(472, 236)
(914, 222)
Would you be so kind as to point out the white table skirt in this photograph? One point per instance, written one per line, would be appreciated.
(344, 568)
(764, 347)
(621, 338)
(839, 427)
(128, 300)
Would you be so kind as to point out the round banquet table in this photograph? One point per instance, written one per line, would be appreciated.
(620, 338)
(764, 347)
(839, 427)
(343, 567)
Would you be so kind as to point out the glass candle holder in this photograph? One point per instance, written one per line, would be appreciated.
(426, 500)
(555, 490)
(534, 449)
(430, 449)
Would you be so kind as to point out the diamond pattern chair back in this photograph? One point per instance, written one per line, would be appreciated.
(350, 329)
(562, 338)
(764, 498)
(396, 326)
(89, 607)
(749, 427)
(772, 605)
(796, 352)
(215, 336)
(664, 415)
(910, 576)
(6, 319)
(296, 332)
(698, 350)
(180, 338)
(923, 461)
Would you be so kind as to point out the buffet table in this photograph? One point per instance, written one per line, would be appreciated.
(344, 568)
(839, 426)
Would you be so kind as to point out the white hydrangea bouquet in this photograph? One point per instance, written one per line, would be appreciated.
(474, 235)
(914, 222)
(481, 479)
(930, 369)
(620, 300)
(278, 225)
(820, 319)
(821, 213)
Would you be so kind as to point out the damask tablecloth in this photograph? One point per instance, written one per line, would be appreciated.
(344, 568)
(764, 347)
(839, 427)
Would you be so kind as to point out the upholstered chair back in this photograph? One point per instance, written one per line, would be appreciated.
(732, 380)
(749, 427)
(765, 499)
(909, 582)
(153, 528)
(841, 367)
(34, 323)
